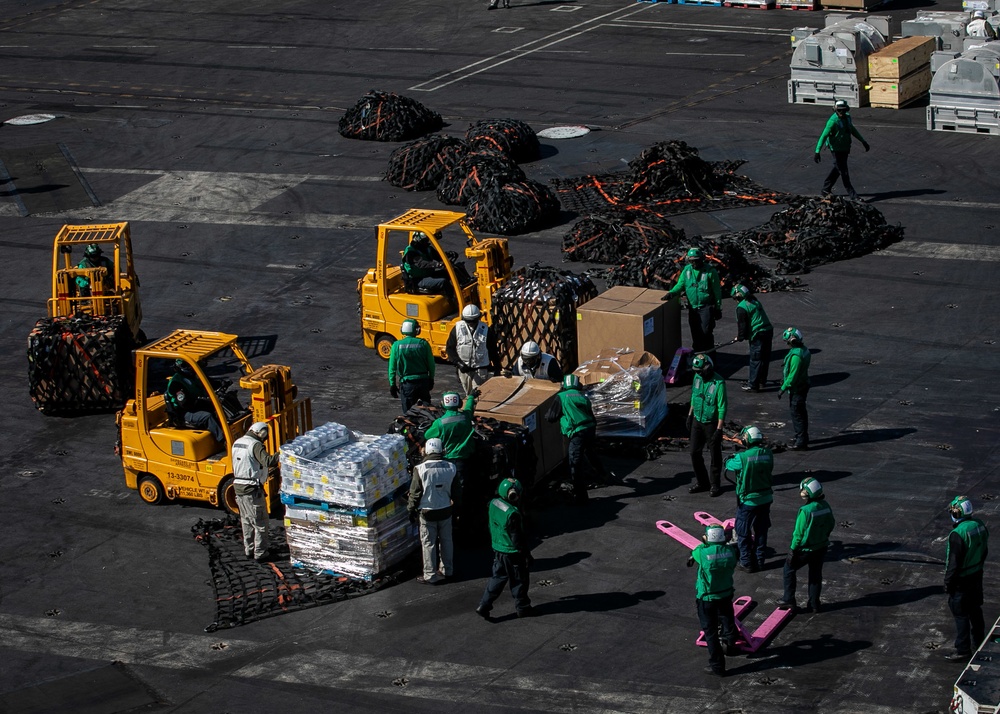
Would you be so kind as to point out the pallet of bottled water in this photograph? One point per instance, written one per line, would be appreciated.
(332, 464)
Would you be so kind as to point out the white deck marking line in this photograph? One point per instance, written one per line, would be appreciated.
(706, 54)
(942, 251)
(470, 70)
(688, 28)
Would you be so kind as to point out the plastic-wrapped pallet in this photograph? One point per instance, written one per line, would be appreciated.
(344, 494)
(627, 393)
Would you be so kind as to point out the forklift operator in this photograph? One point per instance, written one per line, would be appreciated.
(93, 257)
(423, 269)
(187, 400)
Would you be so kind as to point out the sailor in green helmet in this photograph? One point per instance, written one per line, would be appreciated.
(753, 326)
(511, 556)
(714, 590)
(968, 546)
(795, 381)
(700, 284)
(411, 367)
(573, 411)
(810, 539)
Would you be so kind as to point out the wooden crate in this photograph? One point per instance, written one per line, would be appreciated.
(894, 94)
(901, 58)
(852, 4)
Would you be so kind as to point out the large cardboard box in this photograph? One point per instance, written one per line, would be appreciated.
(901, 58)
(525, 402)
(623, 316)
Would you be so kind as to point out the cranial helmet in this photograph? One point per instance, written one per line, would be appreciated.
(471, 313)
(960, 507)
(571, 381)
(715, 534)
(451, 400)
(419, 238)
(979, 15)
(701, 363)
(93, 251)
(751, 435)
(810, 489)
(791, 334)
(510, 489)
(694, 255)
(531, 353)
(841, 104)
(740, 292)
(410, 328)
(433, 446)
(258, 429)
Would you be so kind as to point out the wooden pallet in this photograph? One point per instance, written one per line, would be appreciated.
(860, 7)
(902, 105)
(798, 6)
(708, 3)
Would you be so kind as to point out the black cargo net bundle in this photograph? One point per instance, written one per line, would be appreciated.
(539, 303)
(420, 165)
(247, 591)
(387, 116)
(463, 181)
(508, 136)
(815, 231)
(512, 208)
(667, 179)
(660, 268)
(610, 237)
(80, 364)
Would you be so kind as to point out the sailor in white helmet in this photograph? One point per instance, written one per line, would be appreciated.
(535, 364)
(980, 26)
(251, 464)
(434, 492)
(472, 347)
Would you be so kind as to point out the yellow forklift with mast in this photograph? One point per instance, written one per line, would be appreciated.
(164, 458)
(386, 300)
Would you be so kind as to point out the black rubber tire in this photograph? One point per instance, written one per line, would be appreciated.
(227, 496)
(383, 345)
(150, 489)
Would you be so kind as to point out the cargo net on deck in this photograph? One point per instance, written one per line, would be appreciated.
(668, 178)
(387, 116)
(539, 303)
(481, 173)
(80, 364)
(247, 591)
(817, 231)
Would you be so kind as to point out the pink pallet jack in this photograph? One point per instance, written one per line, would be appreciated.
(746, 641)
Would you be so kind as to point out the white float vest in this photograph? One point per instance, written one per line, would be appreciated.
(248, 469)
(540, 372)
(436, 475)
(471, 346)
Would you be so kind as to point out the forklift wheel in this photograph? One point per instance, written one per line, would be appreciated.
(383, 345)
(227, 496)
(150, 490)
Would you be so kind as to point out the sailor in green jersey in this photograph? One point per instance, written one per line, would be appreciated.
(811, 536)
(795, 381)
(700, 283)
(968, 546)
(714, 590)
(704, 422)
(411, 367)
(456, 431)
(754, 468)
(753, 326)
(573, 411)
(511, 556)
(837, 137)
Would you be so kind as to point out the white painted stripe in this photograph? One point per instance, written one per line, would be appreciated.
(122, 47)
(195, 175)
(691, 31)
(286, 267)
(943, 204)
(943, 251)
(261, 47)
(506, 56)
(706, 54)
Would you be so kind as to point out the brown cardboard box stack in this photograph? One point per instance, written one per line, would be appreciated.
(525, 402)
(628, 317)
(900, 72)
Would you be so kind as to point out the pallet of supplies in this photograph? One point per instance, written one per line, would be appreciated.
(345, 499)
(627, 393)
(900, 73)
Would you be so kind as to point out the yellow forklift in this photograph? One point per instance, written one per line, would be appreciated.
(99, 291)
(385, 300)
(165, 459)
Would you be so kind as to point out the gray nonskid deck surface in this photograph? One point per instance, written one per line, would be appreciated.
(211, 126)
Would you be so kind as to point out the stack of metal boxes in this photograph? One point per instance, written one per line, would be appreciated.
(345, 501)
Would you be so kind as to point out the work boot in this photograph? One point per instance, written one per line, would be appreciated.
(484, 612)
(813, 607)
(493, 5)
(526, 612)
(715, 492)
(786, 605)
(747, 568)
(958, 656)
(697, 488)
(714, 672)
(432, 580)
(747, 387)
